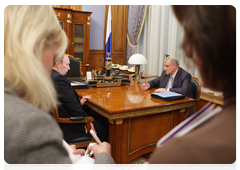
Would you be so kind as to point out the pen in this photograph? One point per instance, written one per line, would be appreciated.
(95, 136)
(86, 152)
(97, 140)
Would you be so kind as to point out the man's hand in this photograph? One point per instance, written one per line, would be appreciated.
(92, 128)
(84, 99)
(145, 86)
(99, 148)
(160, 90)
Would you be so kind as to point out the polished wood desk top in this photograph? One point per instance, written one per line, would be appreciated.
(136, 121)
(128, 101)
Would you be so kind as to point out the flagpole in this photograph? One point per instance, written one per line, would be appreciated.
(108, 43)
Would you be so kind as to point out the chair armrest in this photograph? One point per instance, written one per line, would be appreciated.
(79, 118)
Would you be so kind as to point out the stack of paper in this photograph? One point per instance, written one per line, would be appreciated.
(78, 83)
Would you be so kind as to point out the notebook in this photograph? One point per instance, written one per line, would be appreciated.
(78, 161)
(168, 96)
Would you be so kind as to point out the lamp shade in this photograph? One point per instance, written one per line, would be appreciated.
(137, 59)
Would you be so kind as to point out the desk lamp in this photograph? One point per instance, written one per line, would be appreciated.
(137, 59)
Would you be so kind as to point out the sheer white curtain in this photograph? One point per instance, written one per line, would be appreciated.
(162, 34)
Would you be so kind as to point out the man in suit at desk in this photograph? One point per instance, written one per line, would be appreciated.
(173, 78)
(71, 106)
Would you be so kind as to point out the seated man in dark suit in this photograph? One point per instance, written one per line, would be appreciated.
(173, 78)
(71, 106)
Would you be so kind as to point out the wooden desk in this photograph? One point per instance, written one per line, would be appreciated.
(136, 121)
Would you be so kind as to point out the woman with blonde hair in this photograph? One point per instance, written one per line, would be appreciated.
(33, 39)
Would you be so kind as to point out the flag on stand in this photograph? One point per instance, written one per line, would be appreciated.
(108, 45)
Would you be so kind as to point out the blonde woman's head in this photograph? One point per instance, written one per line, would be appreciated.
(33, 39)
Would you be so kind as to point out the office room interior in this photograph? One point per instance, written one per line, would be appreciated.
(150, 30)
(117, 56)
(156, 34)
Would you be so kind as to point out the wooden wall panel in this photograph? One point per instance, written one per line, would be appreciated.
(117, 59)
(119, 33)
(117, 13)
(96, 59)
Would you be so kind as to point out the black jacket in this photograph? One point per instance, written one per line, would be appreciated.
(69, 106)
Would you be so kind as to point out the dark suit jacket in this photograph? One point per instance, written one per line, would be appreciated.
(70, 106)
(181, 84)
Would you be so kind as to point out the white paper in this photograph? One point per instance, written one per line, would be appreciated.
(77, 159)
(76, 83)
(85, 163)
(89, 75)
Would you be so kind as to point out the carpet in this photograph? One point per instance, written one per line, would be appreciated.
(141, 159)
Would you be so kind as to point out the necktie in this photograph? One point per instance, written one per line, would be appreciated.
(171, 82)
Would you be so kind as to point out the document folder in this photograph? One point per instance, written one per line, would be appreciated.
(168, 96)
(78, 83)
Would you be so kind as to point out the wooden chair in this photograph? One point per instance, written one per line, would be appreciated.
(82, 141)
(75, 67)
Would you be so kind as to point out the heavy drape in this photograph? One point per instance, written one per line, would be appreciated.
(136, 16)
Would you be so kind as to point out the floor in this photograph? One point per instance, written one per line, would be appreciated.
(136, 163)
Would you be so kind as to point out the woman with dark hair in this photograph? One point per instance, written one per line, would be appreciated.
(210, 41)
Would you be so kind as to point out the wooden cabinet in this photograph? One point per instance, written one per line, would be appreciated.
(76, 24)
